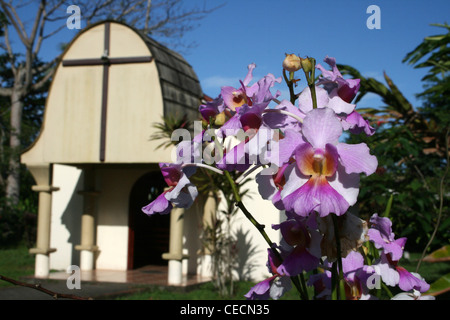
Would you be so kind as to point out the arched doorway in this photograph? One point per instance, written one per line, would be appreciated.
(148, 236)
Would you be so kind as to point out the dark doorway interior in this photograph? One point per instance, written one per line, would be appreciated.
(148, 236)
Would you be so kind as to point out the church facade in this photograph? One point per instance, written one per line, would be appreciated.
(95, 165)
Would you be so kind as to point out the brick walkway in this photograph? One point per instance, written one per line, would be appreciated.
(148, 275)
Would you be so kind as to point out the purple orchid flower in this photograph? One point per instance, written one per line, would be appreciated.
(351, 120)
(284, 116)
(325, 175)
(302, 252)
(257, 95)
(333, 81)
(392, 275)
(236, 97)
(354, 275)
(387, 266)
(382, 236)
(322, 281)
(409, 281)
(270, 186)
(181, 192)
(257, 126)
(273, 287)
(337, 94)
(356, 124)
(415, 295)
(324, 99)
(211, 108)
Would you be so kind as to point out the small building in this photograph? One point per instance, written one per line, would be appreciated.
(95, 164)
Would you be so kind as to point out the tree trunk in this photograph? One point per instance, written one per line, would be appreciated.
(13, 179)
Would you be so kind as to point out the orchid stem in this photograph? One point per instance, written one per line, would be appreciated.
(201, 165)
(248, 215)
(303, 283)
(261, 230)
(290, 86)
(310, 78)
(313, 95)
(339, 271)
(441, 202)
(247, 173)
(284, 112)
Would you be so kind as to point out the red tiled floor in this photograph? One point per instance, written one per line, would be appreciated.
(148, 275)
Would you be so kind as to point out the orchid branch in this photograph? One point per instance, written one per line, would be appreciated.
(290, 86)
(301, 287)
(44, 290)
(339, 272)
(249, 216)
(285, 113)
(441, 203)
(202, 165)
(309, 67)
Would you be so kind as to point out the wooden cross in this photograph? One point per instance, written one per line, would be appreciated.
(106, 62)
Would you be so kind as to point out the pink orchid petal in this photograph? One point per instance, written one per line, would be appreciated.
(318, 195)
(266, 186)
(294, 180)
(297, 261)
(351, 263)
(260, 290)
(408, 281)
(305, 100)
(339, 105)
(356, 158)
(286, 147)
(322, 126)
(347, 185)
(357, 124)
(232, 97)
(248, 78)
(184, 193)
(160, 205)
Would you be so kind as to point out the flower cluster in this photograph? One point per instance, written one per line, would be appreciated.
(306, 171)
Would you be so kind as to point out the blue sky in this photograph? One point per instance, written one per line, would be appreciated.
(262, 31)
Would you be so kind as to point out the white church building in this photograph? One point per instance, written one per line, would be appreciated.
(95, 165)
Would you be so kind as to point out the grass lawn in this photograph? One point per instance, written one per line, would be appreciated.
(430, 271)
(204, 291)
(17, 262)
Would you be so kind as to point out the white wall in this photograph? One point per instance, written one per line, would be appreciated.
(112, 223)
(112, 216)
(67, 207)
(252, 248)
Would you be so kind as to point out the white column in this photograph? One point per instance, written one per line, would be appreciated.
(175, 254)
(88, 247)
(42, 174)
(209, 216)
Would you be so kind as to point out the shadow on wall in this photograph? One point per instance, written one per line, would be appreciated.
(246, 263)
(71, 220)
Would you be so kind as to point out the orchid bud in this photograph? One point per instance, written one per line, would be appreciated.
(220, 119)
(306, 64)
(292, 63)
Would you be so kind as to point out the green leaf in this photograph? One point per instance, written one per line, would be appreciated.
(440, 286)
(388, 206)
(442, 254)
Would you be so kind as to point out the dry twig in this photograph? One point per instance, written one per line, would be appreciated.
(38, 287)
